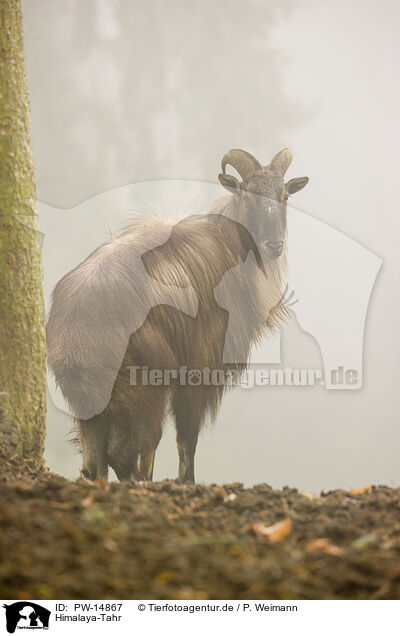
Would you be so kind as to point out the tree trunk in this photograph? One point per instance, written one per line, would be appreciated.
(22, 321)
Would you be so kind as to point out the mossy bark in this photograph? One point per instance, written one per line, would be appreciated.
(22, 320)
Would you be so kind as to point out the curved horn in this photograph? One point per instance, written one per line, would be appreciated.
(281, 162)
(242, 161)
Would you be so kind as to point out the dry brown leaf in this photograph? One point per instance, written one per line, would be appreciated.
(102, 483)
(22, 595)
(359, 491)
(273, 533)
(165, 577)
(110, 545)
(323, 545)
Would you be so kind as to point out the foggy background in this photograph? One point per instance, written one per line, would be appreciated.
(125, 92)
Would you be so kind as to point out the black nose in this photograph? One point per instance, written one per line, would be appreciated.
(274, 248)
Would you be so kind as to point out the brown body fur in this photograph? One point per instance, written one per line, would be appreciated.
(92, 339)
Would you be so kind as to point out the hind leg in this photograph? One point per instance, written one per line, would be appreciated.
(150, 440)
(189, 406)
(134, 437)
(151, 433)
(93, 436)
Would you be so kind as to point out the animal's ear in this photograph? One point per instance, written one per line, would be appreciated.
(229, 181)
(294, 185)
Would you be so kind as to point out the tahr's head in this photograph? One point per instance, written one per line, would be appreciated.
(262, 196)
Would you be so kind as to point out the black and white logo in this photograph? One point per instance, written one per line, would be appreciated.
(26, 615)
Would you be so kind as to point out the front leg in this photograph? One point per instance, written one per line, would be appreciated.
(187, 435)
(93, 438)
(125, 466)
(146, 465)
(123, 454)
(186, 463)
(190, 406)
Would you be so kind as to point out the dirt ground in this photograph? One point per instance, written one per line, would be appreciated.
(62, 539)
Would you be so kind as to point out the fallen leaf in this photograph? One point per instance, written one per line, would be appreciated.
(359, 491)
(110, 545)
(323, 545)
(364, 541)
(165, 577)
(273, 533)
(23, 595)
(230, 497)
(102, 483)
